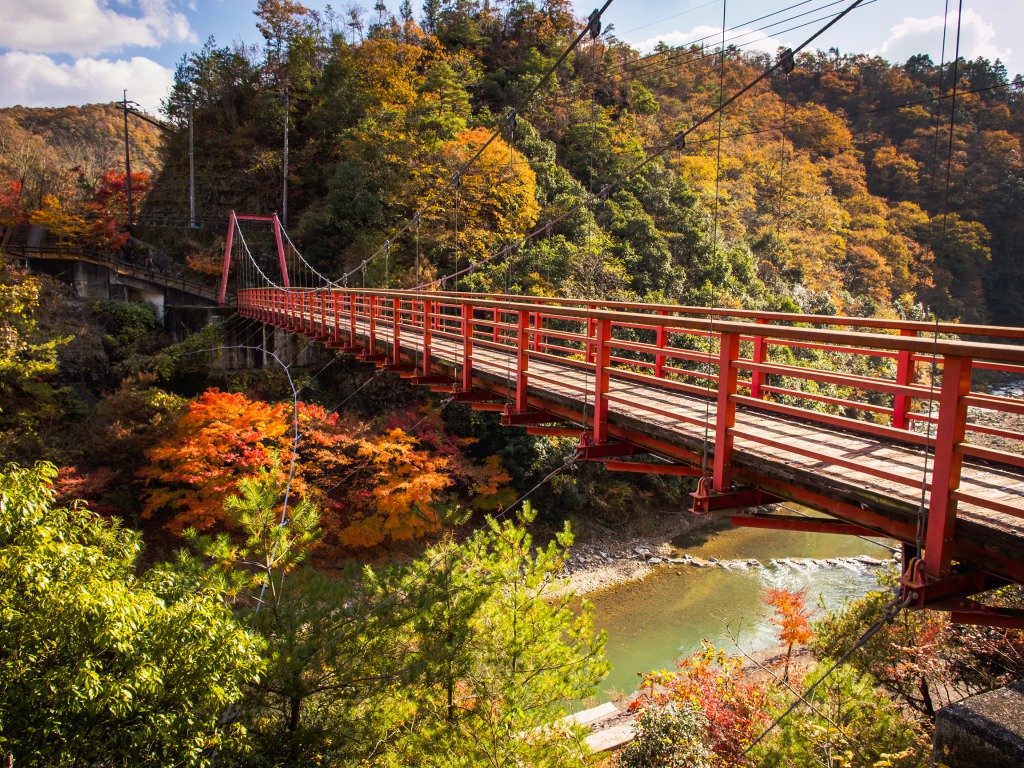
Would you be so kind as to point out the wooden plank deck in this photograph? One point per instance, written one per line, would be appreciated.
(862, 470)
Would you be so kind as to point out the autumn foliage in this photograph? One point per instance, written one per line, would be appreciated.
(220, 438)
(736, 705)
(373, 485)
(791, 619)
(11, 211)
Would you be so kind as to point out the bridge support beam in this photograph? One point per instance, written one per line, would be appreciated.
(956, 385)
(467, 347)
(602, 378)
(725, 415)
(522, 358)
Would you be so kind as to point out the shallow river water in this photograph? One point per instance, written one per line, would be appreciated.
(652, 622)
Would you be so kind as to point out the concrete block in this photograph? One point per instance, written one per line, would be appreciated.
(985, 730)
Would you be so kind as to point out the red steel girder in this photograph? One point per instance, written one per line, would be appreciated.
(934, 592)
(553, 431)
(971, 612)
(476, 396)
(737, 498)
(399, 368)
(431, 380)
(586, 451)
(652, 468)
(486, 406)
(512, 418)
(795, 523)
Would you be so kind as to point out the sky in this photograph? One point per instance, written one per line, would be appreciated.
(61, 52)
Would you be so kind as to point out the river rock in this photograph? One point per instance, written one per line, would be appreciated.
(655, 560)
(754, 563)
(700, 562)
(739, 565)
(864, 559)
(642, 551)
(602, 553)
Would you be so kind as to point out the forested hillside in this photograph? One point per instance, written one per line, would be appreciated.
(840, 186)
(341, 569)
(59, 151)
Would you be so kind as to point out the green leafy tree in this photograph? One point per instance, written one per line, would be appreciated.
(99, 665)
(500, 659)
(29, 402)
(330, 658)
(848, 723)
(669, 736)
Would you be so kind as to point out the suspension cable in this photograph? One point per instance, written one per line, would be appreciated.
(716, 256)
(677, 140)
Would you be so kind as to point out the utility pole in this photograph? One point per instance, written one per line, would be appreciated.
(127, 163)
(191, 172)
(284, 164)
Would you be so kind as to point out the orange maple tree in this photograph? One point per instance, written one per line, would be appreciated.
(221, 437)
(791, 618)
(11, 211)
(373, 485)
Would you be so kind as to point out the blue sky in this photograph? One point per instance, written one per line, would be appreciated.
(58, 52)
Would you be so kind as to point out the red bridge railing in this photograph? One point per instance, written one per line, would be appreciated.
(869, 376)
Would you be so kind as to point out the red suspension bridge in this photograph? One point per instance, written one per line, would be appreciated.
(880, 424)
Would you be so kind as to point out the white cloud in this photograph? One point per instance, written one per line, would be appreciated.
(90, 27)
(912, 36)
(34, 80)
(747, 39)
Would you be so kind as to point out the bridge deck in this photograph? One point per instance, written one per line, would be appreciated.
(852, 472)
(640, 409)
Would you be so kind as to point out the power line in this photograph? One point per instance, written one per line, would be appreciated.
(593, 21)
(677, 142)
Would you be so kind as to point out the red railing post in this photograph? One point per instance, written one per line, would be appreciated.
(952, 426)
(538, 320)
(335, 331)
(396, 313)
(901, 403)
(760, 347)
(591, 332)
(602, 377)
(427, 311)
(494, 328)
(323, 313)
(725, 415)
(522, 358)
(352, 309)
(467, 347)
(373, 324)
(661, 343)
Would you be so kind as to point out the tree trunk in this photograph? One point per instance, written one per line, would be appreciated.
(294, 720)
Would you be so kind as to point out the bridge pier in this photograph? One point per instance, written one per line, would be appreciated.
(983, 730)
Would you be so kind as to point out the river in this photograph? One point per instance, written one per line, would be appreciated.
(652, 622)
